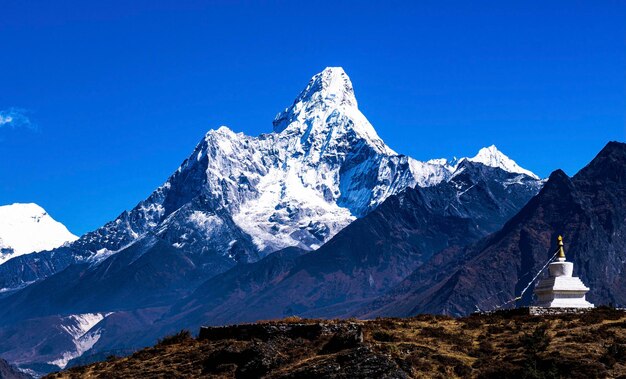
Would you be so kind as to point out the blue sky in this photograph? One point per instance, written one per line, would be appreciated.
(109, 98)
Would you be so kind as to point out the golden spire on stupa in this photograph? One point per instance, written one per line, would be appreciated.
(561, 250)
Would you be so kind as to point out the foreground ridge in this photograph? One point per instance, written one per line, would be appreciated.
(496, 345)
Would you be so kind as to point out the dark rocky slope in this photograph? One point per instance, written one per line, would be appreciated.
(364, 260)
(589, 210)
(7, 371)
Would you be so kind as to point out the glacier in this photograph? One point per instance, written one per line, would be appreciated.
(81, 328)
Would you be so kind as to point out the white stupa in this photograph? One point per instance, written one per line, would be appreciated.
(561, 289)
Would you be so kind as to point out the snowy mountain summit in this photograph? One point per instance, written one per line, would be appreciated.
(323, 166)
(28, 228)
(325, 109)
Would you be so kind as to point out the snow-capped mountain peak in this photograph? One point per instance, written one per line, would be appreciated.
(323, 166)
(331, 86)
(28, 228)
(326, 111)
(492, 157)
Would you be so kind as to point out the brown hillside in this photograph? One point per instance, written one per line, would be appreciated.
(590, 345)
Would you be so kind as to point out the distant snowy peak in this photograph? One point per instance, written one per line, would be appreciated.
(488, 156)
(492, 157)
(28, 228)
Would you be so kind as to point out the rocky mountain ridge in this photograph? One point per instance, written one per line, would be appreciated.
(588, 209)
(366, 258)
(321, 168)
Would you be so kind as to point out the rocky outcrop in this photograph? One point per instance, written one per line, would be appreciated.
(337, 345)
(341, 333)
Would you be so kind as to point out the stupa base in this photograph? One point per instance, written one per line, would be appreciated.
(542, 311)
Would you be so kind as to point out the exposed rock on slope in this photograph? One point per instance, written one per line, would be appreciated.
(7, 371)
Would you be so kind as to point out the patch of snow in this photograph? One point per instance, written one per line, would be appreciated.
(205, 223)
(29, 372)
(81, 329)
(18, 287)
(101, 255)
(458, 195)
(516, 180)
(80, 324)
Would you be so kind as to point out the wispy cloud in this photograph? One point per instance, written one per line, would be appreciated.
(15, 118)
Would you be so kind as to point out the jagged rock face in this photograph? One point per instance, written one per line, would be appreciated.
(588, 210)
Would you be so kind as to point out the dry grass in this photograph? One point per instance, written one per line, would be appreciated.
(591, 345)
